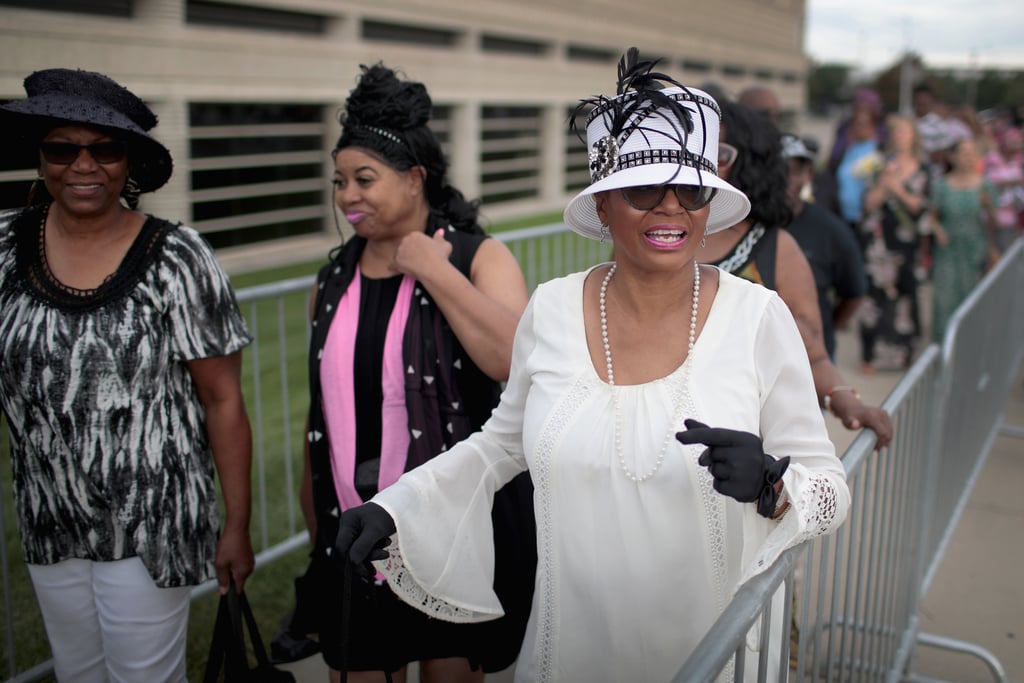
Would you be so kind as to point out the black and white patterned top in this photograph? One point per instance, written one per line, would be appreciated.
(108, 443)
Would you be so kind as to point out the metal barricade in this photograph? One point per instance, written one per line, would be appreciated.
(861, 589)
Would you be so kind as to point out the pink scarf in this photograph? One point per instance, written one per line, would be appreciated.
(338, 393)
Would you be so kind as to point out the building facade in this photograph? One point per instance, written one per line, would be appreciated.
(248, 92)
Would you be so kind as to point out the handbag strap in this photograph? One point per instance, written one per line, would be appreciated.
(227, 647)
(254, 635)
(346, 598)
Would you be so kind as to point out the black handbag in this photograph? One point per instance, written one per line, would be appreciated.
(228, 649)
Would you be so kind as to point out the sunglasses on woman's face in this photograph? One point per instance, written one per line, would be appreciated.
(646, 197)
(65, 153)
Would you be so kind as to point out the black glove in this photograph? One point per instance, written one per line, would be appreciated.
(738, 463)
(363, 533)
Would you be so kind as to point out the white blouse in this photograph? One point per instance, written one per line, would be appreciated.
(630, 574)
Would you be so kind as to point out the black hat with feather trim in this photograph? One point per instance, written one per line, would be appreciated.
(650, 134)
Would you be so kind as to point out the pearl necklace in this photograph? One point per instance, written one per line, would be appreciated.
(602, 299)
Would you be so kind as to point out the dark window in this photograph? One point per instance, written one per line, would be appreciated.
(257, 171)
(733, 70)
(113, 8)
(247, 17)
(763, 74)
(590, 54)
(696, 65)
(404, 33)
(790, 77)
(516, 46)
(510, 155)
(577, 160)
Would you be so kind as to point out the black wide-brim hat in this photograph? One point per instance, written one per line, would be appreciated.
(60, 97)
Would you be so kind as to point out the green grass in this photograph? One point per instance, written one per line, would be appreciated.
(279, 430)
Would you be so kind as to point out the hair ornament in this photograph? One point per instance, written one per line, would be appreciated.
(386, 134)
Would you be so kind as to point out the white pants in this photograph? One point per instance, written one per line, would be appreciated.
(108, 621)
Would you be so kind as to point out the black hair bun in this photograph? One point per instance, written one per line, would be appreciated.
(383, 100)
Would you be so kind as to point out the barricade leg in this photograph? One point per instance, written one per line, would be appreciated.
(953, 645)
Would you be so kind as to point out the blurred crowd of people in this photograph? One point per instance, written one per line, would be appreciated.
(933, 196)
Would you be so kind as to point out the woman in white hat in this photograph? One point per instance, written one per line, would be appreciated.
(647, 517)
(120, 362)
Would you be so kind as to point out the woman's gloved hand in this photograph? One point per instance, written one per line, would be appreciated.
(363, 533)
(737, 462)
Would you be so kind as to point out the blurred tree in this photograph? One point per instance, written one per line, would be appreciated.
(826, 85)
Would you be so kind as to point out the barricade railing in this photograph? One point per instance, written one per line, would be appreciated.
(275, 385)
(860, 590)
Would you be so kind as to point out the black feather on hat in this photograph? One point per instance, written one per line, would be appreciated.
(59, 97)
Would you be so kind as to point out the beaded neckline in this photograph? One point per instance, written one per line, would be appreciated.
(602, 300)
(38, 279)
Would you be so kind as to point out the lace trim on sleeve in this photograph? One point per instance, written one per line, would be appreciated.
(816, 507)
(405, 587)
(815, 512)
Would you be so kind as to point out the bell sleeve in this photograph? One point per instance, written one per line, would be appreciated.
(792, 425)
(442, 556)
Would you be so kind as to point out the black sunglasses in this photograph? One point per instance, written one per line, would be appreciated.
(64, 153)
(646, 197)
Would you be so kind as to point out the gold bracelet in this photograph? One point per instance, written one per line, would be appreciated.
(827, 401)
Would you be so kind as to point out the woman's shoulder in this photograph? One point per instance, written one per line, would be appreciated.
(742, 290)
(557, 290)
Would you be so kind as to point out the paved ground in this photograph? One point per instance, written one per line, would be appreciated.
(977, 594)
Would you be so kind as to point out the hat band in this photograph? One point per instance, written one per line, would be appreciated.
(647, 157)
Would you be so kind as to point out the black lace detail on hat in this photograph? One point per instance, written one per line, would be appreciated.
(91, 86)
(34, 275)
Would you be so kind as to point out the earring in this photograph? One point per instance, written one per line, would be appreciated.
(703, 241)
(604, 233)
(131, 192)
(34, 190)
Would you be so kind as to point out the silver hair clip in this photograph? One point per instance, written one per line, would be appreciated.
(386, 134)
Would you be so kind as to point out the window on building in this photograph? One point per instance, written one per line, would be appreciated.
(585, 53)
(577, 158)
(733, 70)
(113, 8)
(257, 171)
(407, 33)
(510, 153)
(696, 65)
(516, 46)
(248, 17)
(790, 76)
(764, 74)
(17, 172)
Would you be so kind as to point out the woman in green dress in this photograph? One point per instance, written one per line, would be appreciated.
(964, 245)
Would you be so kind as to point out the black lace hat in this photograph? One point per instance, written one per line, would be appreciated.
(58, 97)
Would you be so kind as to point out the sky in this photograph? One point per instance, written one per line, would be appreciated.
(872, 34)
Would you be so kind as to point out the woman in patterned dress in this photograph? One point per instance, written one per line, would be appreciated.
(413, 321)
(893, 206)
(961, 208)
(120, 361)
